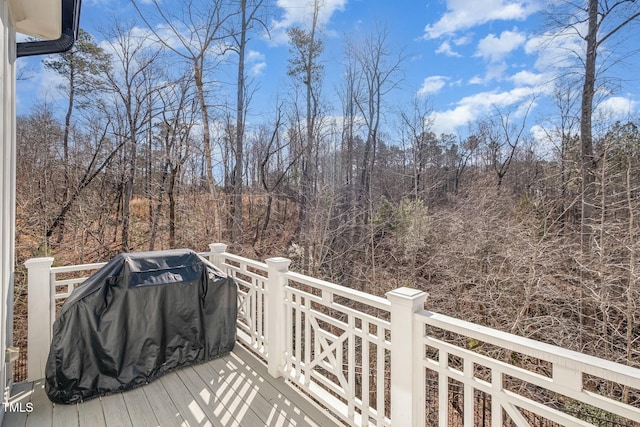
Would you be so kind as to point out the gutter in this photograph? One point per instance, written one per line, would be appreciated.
(70, 26)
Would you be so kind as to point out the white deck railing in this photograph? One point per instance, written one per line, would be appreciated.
(370, 360)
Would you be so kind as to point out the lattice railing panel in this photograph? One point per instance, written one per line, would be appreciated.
(522, 382)
(251, 277)
(336, 351)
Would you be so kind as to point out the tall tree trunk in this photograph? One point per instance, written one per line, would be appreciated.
(309, 78)
(586, 136)
(236, 231)
(128, 194)
(156, 217)
(172, 206)
(206, 141)
(65, 150)
(586, 152)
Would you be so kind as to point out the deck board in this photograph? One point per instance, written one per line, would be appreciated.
(208, 399)
(65, 415)
(42, 414)
(192, 413)
(162, 405)
(250, 394)
(282, 395)
(90, 413)
(114, 416)
(139, 409)
(248, 390)
(234, 390)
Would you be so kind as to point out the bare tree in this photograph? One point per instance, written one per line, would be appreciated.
(459, 156)
(83, 69)
(131, 82)
(563, 134)
(38, 136)
(272, 173)
(502, 138)
(599, 30)
(177, 117)
(600, 24)
(204, 22)
(304, 65)
(249, 18)
(416, 120)
(379, 69)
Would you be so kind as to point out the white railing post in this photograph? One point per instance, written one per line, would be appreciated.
(274, 315)
(41, 313)
(406, 375)
(217, 249)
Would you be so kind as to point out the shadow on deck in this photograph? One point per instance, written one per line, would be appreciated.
(234, 390)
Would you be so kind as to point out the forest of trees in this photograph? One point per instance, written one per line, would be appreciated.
(146, 156)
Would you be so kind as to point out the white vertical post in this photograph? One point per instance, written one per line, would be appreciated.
(40, 324)
(217, 249)
(275, 313)
(406, 374)
(496, 390)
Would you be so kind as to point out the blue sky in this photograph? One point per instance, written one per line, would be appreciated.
(466, 58)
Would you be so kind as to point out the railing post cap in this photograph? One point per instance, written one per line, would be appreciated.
(217, 247)
(39, 262)
(406, 296)
(280, 263)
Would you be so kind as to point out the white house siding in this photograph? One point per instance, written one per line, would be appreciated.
(7, 188)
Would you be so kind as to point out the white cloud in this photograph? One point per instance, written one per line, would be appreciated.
(616, 108)
(495, 71)
(432, 85)
(472, 107)
(170, 38)
(546, 141)
(527, 78)
(445, 48)
(300, 12)
(465, 14)
(254, 55)
(42, 84)
(494, 49)
(556, 49)
(256, 61)
(256, 69)
(449, 121)
(461, 41)
(137, 38)
(177, 36)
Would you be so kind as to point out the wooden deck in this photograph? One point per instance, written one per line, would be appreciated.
(234, 390)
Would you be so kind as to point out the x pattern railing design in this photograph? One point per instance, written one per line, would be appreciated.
(251, 277)
(337, 352)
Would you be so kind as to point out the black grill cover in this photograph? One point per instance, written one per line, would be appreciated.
(138, 317)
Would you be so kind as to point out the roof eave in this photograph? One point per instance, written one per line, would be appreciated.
(56, 37)
(38, 18)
